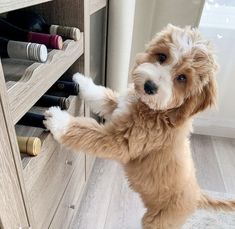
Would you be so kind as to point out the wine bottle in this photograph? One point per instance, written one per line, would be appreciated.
(32, 21)
(12, 32)
(31, 119)
(22, 50)
(50, 100)
(29, 145)
(64, 87)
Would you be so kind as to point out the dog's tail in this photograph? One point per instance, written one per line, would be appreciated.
(224, 205)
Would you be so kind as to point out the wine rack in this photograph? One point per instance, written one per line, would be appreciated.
(43, 191)
(53, 161)
(8, 5)
(32, 85)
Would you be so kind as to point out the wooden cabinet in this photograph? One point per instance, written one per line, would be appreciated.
(12, 209)
(43, 191)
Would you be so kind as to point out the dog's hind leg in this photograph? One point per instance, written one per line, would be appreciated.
(102, 101)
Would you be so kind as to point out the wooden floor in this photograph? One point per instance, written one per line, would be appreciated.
(108, 203)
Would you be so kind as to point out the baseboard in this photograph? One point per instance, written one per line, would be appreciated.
(221, 128)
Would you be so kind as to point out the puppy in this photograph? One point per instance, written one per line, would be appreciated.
(149, 127)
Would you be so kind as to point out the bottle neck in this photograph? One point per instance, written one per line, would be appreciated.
(50, 100)
(29, 145)
(25, 50)
(3, 47)
(51, 41)
(31, 119)
(66, 32)
(22, 50)
(69, 87)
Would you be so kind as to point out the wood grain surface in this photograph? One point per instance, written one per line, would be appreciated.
(8, 5)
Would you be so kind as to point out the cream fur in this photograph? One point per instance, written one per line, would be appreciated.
(162, 77)
(150, 140)
(58, 125)
(95, 95)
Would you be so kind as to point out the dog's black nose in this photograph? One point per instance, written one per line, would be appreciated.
(150, 87)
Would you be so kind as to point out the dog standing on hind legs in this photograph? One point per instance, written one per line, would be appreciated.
(148, 128)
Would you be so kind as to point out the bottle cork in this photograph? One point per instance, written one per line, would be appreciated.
(66, 31)
(29, 145)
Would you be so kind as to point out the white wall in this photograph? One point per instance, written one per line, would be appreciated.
(152, 15)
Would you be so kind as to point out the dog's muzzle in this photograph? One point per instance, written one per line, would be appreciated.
(150, 87)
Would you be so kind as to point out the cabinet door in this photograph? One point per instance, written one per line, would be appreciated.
(12, 207)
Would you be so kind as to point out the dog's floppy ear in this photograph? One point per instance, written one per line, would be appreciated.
(206, 98)
(194, 104)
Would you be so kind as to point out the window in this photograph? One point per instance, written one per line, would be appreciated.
(218, 25)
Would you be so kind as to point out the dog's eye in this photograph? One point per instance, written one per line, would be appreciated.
(181, 78)
(161, 57)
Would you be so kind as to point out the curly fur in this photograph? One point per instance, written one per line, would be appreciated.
(149, 134)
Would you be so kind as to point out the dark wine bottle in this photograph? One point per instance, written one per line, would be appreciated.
(31, 119)
(50, 100)
(64, 87)
(12, 32)
(22, 50)
(32, 21)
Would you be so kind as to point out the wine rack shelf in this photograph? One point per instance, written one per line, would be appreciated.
(45, 190)
(29, 163)
(96, 5)
(36, 78)
(50, 170)
(8, 5)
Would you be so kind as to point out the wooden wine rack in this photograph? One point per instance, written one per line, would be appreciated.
(43, 191)
(8, 5)
(33, 84)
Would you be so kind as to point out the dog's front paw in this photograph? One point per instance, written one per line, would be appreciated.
(85, 84)
(57, 121)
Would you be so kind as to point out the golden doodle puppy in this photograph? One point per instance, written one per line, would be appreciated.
(149, 127)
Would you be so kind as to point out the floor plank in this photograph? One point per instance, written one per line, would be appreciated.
(225, 153)
(95, 202)
(207, 167)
